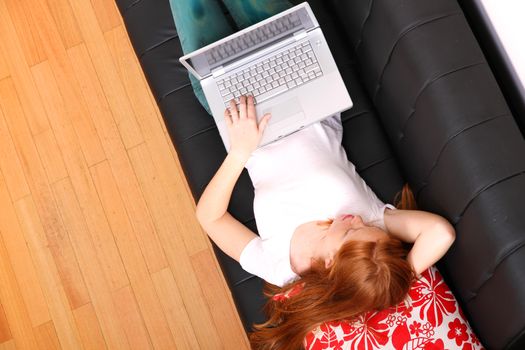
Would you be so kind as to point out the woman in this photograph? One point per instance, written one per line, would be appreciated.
(353, 263)
(348, 265)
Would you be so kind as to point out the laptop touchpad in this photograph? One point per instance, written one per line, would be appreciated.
(289, 111)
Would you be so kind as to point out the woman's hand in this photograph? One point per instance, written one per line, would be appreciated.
(431, 234)
(245, 135)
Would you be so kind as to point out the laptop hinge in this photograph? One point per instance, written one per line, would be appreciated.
(217, 71)
(300, 34)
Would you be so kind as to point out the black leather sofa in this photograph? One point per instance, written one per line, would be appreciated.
(427, 111)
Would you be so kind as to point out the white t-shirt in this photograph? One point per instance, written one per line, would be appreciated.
(303, 177)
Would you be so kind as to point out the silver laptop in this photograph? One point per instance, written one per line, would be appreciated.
(284, 62)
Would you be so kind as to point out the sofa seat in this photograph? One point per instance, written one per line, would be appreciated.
(427, 111)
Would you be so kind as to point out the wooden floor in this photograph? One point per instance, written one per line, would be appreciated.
(99, 247)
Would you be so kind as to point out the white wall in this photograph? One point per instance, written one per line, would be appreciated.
(508, 20)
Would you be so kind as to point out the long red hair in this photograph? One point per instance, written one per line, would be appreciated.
(365, 276)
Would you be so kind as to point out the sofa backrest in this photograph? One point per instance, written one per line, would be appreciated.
(458, 144)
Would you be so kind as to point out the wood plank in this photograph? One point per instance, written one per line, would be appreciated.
(107, 14)
(20, 74)
(129, 312)
(180, 264)
(46, 336)
(89, 328)
(93, 212)
(5, 332)
(113, 87)
(171, 183)
(4, 69)
(71, 213)
(127, 49)
(65, 22)
(214, 289)
(10, 163)
(51, 156)
(13, 304)
(9, 345)
(175, 310)
(56, 236)
(28, 33)
(63, 70)
(133, 257)
(53, 286)
(160, 118)
(118, 159)
(21, 260)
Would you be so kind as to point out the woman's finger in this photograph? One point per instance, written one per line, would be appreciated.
(233, 111)
(242, 107)
(264, 123)
(227, 117)
(251, 107)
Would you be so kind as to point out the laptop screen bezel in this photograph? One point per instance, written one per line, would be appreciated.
(184, 59)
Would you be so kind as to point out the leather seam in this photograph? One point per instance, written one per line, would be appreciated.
(198, 133)
(483, 190)
(445, 145)
(401, 36)
(373, 164)
(432, 81)
(353, 116)
(363, 26)
(172, 91)
(157, 45)
(517, 338)
(244, 280)
(131, 5)
(492, 273)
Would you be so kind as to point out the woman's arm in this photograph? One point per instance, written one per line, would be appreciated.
(230, 235)
(431, 234)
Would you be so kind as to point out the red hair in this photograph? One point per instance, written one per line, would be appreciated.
(365, 276)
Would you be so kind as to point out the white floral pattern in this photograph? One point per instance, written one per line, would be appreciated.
(429, 319)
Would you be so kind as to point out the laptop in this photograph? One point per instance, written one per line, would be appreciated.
(284, 62)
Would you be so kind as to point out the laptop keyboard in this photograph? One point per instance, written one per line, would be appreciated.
(284, 24)
(273, 76)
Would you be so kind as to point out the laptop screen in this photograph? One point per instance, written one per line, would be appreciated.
(250, 41)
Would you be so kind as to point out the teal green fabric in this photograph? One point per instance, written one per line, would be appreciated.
(202, 22)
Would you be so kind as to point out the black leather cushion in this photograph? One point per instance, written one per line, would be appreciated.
(448, 132)
(459, 145)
